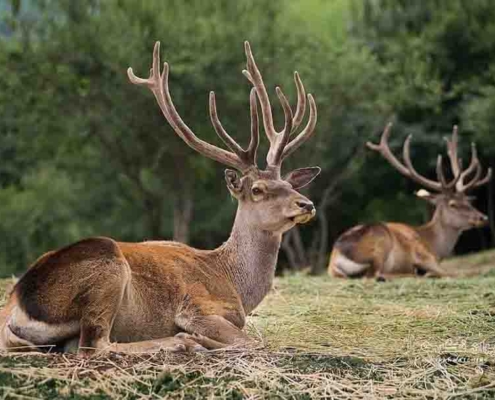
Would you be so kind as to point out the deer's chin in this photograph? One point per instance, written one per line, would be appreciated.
(303, 218)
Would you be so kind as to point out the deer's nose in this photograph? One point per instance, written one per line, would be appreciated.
(305, 205)
(481, 220)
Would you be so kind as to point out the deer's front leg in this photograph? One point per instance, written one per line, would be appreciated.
(429, 265)
(212, 331)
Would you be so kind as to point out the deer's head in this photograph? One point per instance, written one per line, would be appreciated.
(453, 205)
(268, 200)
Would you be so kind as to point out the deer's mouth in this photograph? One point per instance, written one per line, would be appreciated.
(480, 223)
(303, 218)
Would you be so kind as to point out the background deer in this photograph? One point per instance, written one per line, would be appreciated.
(389, 249)
(132, 297)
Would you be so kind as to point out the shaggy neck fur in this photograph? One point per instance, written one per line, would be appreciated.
(249, 260)
(440, 237)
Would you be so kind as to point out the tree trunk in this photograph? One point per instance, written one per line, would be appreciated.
(294, 249)
(154, 216)
(320, 266)
(183, 212)
(302, 259)
(289, 251)
(315, 245)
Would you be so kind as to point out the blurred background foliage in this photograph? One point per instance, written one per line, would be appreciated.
(83, 152)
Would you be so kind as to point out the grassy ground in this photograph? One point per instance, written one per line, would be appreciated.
(409, 338)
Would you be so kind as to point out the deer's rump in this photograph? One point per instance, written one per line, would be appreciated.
(367, 249)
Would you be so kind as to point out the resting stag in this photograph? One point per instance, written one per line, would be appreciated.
(105, 295)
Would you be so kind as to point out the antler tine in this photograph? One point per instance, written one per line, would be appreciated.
(446, 186)
(440, 174)
(306, 133)
(248, 156)
(154, 72)
(301, 103)
(474, 165)
(158, 84)
(486, 179)
(280, 146)
(254, 76)
(384, 149)
(255, 132)
(472, 182)
(274, 156)
(191, 139)
(474, 161)
(407, 169)
(452, 151)
(406, 153)
(219, 129)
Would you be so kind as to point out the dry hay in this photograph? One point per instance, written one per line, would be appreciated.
(255, 374)
(319, 338)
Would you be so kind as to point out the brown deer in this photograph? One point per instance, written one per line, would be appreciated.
(385, 250)
(142, 297)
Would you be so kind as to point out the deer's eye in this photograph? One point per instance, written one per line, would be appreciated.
(256, 191)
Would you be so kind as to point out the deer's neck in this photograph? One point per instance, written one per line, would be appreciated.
(249, 258)
(440, 237)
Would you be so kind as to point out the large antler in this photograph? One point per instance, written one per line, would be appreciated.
(474, 166)
(237, 158)
(407, 169)
(442, 184)
(280, 146)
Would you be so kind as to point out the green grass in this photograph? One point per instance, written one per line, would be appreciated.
(319, 338)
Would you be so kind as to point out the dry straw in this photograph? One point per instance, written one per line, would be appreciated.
(319, 338)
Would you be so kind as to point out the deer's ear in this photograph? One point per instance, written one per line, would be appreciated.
(424, 194)
(234, 183)
(302, 176)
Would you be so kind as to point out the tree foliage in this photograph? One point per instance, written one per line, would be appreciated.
(84, 152)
